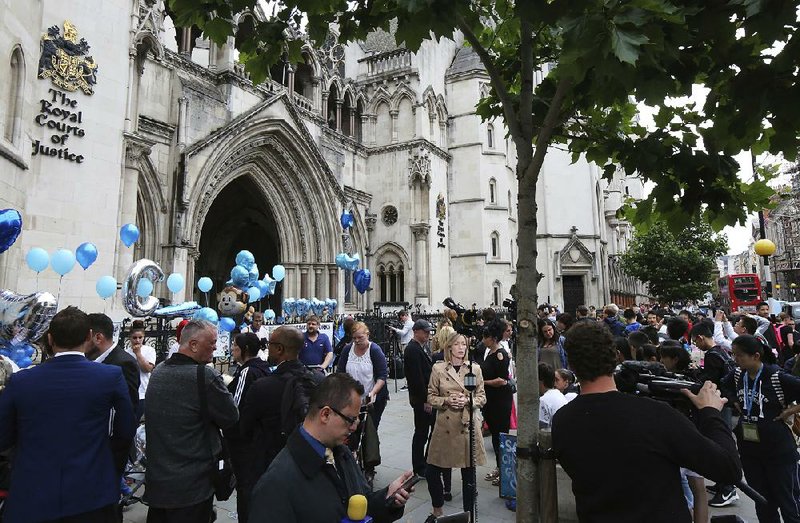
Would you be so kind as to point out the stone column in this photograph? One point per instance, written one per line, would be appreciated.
(325, 106)
(353, 122)
(183, 121)
(304, 282)
(333, 283)
(420, 231)
(315, 81)
(319, 283)
(136, 147)
(394, 114)
(339, 114)
(290, 87)
(364, 123)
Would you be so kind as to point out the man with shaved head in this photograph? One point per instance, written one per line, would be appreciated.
(262, 405)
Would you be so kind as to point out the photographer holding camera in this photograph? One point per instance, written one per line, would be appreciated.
(624, 452)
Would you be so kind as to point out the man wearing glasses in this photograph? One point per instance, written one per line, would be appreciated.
(262, 405)
(312, 479)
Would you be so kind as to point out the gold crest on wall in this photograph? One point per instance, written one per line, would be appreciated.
(65, 62)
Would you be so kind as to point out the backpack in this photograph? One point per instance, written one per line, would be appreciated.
(296, 398)
(730, 364)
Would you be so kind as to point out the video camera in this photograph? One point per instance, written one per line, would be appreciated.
(652, 379)
(511, 305)
(466, 319)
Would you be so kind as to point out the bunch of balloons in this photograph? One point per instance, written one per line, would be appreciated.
(301, 307)
(63, 260)
(244, 276)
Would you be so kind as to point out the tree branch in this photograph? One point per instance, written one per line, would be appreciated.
(526, 93)
(548, 126)
(497, 83)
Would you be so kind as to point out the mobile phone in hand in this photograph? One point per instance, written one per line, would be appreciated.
(410, 482)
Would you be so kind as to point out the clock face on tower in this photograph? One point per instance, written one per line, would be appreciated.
(389, 215)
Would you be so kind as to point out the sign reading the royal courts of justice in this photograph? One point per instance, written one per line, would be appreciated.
(65, 63)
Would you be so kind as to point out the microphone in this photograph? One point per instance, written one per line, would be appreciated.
(357, 510)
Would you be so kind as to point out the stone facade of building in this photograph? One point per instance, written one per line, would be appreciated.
(175, 138)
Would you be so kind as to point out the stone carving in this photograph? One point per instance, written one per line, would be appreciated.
(419, 166)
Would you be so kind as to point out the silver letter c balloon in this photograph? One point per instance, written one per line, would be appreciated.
(24, 318)
(134, 304)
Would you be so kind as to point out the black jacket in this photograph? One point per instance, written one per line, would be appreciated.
(245, 377)
(418, 367)
(260, 412)
(300, 488)
(130, 370)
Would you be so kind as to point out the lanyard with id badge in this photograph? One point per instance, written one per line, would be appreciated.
(750, 423)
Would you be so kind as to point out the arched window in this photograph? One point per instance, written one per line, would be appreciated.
(13, 121)
(391, 282)
(490, 136)
(492, 190)
(497, 293)
(495, 245)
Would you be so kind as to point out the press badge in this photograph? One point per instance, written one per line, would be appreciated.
(750, 432)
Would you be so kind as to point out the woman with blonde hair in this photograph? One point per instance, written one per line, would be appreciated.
(439, 340)
(449, 446)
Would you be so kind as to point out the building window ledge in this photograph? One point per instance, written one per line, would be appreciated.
(10, 153)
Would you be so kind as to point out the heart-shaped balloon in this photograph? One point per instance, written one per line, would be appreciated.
(347, 220)
(340, 260)
(302, 306)
(10, 227)
(362, 279)
(351, 263)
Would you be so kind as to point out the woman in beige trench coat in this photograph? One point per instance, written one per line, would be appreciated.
(449, 445)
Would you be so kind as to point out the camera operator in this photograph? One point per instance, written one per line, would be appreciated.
(624, 452)
(407, 331)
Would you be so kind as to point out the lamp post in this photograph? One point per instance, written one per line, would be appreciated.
(765, 248)
(778, 290)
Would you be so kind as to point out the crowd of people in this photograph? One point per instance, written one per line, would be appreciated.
(298, 416)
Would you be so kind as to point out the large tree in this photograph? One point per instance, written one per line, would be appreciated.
(675, 265)
(608, 57)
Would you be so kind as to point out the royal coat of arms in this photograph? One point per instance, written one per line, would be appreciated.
(64, 60)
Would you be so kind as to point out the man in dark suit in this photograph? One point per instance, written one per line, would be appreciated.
(418, 365)
(103, 350)
(58, 416)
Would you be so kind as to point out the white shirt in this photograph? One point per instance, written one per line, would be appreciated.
(407, 332)
(262, 332)
(360, 368)
(104, 355)
(549, 403)
(69, 353)
(149, 354)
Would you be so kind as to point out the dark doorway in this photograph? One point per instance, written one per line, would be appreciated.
(572, 288)
(240, 218)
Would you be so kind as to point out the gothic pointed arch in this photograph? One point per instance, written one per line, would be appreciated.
(380, 96)
(291, 174)
(403, 91)
(391, 268)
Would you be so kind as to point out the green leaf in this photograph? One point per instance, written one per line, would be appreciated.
(626, 45)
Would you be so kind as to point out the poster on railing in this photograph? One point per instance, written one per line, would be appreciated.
(508, 466)
(326, 327)
(224, 339)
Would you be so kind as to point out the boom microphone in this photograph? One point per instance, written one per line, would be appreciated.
(357, 510)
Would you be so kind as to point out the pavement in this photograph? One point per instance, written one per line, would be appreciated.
(396, 429)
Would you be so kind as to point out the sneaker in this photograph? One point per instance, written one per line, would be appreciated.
(492, 475)
(723, 499)
(430, 519)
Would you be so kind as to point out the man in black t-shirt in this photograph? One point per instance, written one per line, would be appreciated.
(624, 452)
(417, 364)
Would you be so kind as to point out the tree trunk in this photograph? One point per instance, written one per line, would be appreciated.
(527, 361)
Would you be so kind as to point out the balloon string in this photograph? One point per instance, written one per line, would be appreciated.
(58, 300)
(37, 281)
(206, 293)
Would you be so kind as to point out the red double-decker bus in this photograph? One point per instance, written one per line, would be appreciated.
(739, 292)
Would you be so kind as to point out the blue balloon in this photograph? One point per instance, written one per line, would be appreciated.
(252, 275)
(269, 314)
(278, 273)
(253, 294)
(144, 288)
(129, 233)
(208, 314)
(240, 276)
(29, 351)
(86, 254)
(10, 227)
(175, 282)
(288, 306)
(62, 261)
(362, 279)
(351, 262)
(227, 324)
(24, 363)
(37, 259)
(205, 284)
(245, 259)
(106, 287)
(263, 287)
(347, 220)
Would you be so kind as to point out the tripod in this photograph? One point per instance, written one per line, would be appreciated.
(471, 383)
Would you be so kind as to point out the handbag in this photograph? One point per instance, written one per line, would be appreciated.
(222, 477)
(512, 384)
